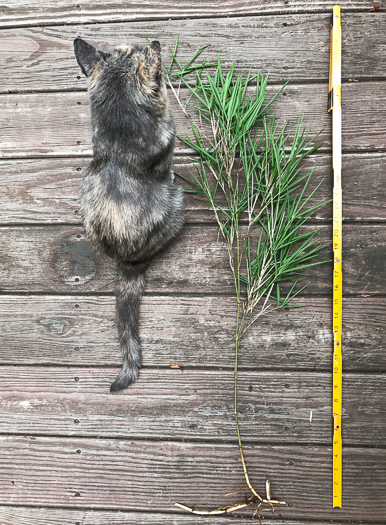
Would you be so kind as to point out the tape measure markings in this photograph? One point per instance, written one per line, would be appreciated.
(336, 107)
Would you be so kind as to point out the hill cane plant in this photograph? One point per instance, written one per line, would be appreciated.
(247, 169)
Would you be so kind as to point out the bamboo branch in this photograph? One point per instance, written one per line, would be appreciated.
(263, 190)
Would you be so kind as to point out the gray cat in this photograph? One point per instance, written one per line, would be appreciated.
(130, 206)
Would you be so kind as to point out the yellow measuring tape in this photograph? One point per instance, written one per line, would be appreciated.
(335, 106)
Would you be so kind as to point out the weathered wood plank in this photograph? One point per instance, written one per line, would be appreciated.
(190, 331)
(142, 475)
(47, 190)
(295, 47)
(32, 12)
(190, 405)
(60, 259)
(57, 125)
(51, 516)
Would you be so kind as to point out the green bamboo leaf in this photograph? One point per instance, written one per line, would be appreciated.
(268, 187)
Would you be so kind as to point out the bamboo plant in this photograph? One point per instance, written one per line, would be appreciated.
(247, 169)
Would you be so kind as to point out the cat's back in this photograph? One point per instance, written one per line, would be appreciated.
(122, 212)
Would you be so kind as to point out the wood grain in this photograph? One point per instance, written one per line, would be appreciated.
(47, 190)
(190, 331)
(294, 47)
(138, 475)
(59, 259)
(57, 125)
(32, 12)
(50, 516)
(190, 405)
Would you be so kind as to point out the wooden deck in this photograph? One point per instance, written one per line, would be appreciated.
(73, 454)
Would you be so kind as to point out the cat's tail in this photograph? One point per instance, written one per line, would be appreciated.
(129, 290)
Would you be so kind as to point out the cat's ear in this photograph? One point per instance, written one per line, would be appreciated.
(150, 69)
(87, 55)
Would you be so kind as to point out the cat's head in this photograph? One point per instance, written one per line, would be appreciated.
(130, 73)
